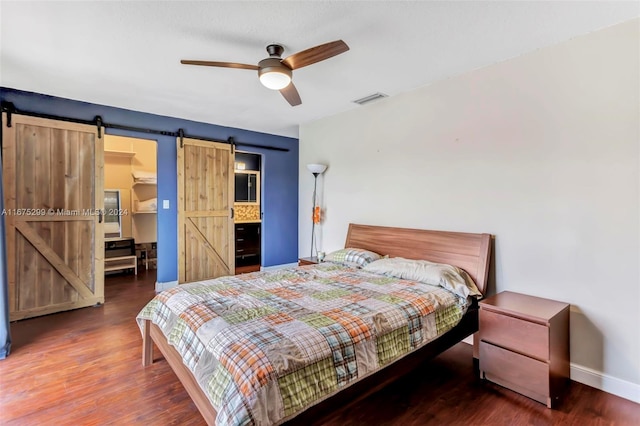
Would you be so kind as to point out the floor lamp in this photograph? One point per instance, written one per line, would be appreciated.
(315, 169)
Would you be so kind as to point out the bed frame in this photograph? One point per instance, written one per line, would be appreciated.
(470, 252)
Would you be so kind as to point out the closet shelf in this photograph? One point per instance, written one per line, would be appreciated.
(143, 183)
(125, 154)
(146, 212)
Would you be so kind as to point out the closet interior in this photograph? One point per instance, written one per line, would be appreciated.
(131, 204)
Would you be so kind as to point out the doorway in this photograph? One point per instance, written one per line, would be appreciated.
(131, 205)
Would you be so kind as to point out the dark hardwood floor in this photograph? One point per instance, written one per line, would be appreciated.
(83, 367)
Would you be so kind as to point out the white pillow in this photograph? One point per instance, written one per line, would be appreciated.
(446, 276)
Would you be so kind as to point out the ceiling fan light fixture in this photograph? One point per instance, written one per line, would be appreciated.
(275, 80)
(273, 74)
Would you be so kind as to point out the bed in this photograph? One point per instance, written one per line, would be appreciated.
(359, 363)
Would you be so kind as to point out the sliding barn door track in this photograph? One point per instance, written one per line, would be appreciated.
(9, 108)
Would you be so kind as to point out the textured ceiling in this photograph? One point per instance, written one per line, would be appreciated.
(127, 54)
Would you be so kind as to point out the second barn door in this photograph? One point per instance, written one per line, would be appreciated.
(205, 210)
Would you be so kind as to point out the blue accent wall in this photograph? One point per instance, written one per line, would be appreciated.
(279, 171)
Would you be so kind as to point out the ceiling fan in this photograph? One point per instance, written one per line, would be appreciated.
(275, 73)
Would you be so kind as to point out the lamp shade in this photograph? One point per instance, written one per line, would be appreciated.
(275, 80)
(273, 74)
(317, 168)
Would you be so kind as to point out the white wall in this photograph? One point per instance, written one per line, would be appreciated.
(541, 151)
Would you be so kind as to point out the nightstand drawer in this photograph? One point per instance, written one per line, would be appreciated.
(518, 372)
(519, 335)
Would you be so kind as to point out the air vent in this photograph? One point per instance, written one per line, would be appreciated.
(370, 98)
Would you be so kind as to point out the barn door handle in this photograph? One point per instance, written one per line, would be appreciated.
(232, 213)
(99, 216)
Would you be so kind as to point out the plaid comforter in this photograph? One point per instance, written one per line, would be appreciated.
(267, 345)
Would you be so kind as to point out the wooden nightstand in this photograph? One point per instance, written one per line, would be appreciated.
(524, 345)
(307, 261)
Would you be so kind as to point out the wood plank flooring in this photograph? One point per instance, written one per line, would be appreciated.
(83, 367)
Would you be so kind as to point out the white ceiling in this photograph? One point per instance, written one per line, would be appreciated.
(127, 54)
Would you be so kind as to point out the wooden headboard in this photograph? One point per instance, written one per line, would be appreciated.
(467, 251)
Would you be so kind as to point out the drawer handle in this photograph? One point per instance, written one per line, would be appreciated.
(239, 229)
(239, 239)
(239, 250)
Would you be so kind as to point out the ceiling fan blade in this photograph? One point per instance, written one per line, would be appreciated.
(291, 94)
(315, 54)
(220, 64)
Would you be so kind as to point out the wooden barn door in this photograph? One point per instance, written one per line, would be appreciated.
(52, 175)
(205, 202)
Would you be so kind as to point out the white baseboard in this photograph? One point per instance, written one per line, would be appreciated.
(165, 286)
(274, 267)
(606, 383)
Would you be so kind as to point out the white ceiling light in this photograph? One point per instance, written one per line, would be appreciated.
(274, 75)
